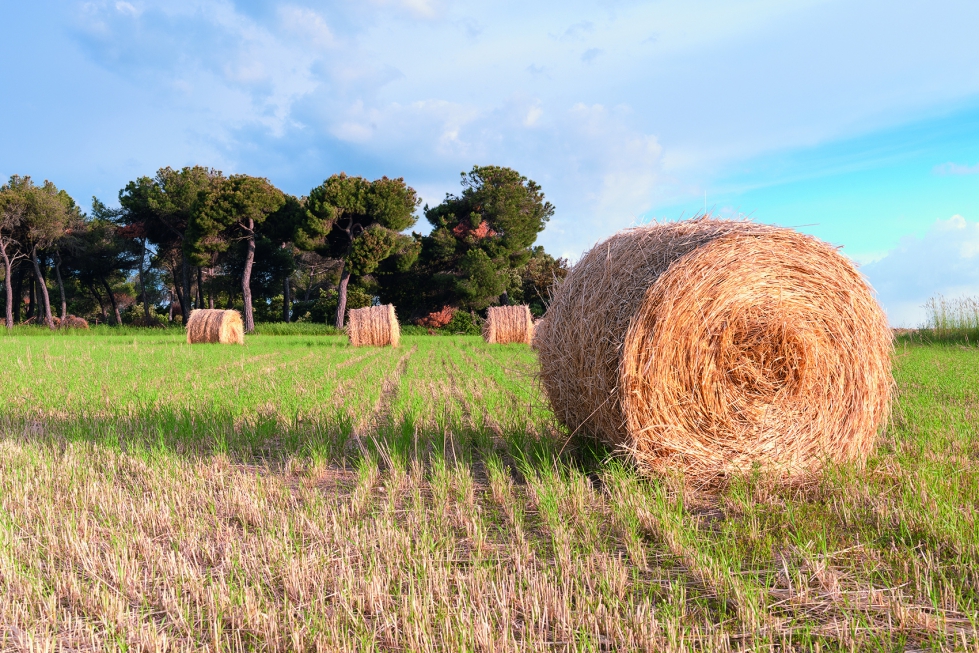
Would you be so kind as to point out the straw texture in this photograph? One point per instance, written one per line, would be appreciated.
(712, 346)
(374, 325)
(215, 326)
(506, 324)
(73, 322)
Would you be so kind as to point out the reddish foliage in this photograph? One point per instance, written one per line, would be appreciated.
(135, 230)
(438, 319)
(463, 230)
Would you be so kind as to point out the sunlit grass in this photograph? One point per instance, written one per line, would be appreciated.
(299, 494)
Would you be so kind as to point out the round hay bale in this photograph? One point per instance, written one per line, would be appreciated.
(710, 347)
(73, 322)
(215, 326)
(374, 325)
(506, 324)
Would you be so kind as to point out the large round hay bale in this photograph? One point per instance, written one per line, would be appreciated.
(215, 326)
(506, 324)
(710, 347)
(374, 325)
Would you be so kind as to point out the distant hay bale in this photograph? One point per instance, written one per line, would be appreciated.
(710, 347)
(73, 322)
(539, 325)
(212, 325)
(374, 325)
(506, 324)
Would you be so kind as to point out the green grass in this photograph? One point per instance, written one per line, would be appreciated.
(298, 494)
(948, 321)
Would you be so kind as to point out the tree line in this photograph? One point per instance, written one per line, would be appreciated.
(196, 238)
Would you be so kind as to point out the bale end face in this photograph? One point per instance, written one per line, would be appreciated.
(713, 347)
(373, 326)
(507, 324)
(209, 325)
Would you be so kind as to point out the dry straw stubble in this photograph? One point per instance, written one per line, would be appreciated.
(209, 325)
(374, 325)
(711, 346)
(506, 324)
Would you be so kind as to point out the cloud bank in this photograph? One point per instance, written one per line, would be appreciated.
(615, 107)
(945, 261)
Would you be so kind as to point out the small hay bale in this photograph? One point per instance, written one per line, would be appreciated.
(73, 322)
(711, 346)
(215, 326)
(506, 324)
(374, 325)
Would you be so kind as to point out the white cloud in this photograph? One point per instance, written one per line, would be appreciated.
(246, 71)
(309, 25)
(126, 8)
(957, 169)
(944, 261)
(533, 114)
(627, 162)
(420, 8)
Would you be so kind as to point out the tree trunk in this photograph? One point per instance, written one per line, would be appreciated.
(18, 292)
(142, 283)
(172, 296)
(177, 295)
(345, 275)
(210, 297)
(31, 299)
(8, 286)
(200, 288)
(286, 300)
(112, 300)
(185, 295)
(98, 298)
(505, 299)
(246, 278)
(231, 300)
(61, 286)
(342, 296)
(42, 288)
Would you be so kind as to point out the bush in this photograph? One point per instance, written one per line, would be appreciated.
(463, 323)
(323, 309)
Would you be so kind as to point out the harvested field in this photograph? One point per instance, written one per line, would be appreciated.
(296, 493)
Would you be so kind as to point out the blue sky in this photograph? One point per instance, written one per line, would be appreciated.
(857, 122)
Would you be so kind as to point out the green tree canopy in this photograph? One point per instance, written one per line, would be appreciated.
(362, 221)
(101, 255)
(160, 207)
(13, 212)
(44, 218)
(236, 210)
(479, 242)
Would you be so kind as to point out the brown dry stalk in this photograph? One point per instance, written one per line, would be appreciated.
(712, 346)
(374, 325)
(210, 325)
(506, 324)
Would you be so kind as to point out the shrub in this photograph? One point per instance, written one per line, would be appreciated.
(463, 323)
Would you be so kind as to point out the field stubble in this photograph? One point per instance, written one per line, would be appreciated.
(298, 494)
